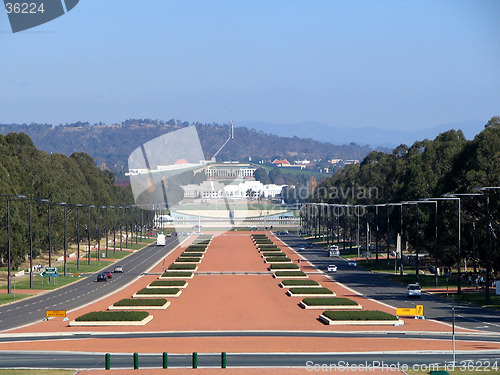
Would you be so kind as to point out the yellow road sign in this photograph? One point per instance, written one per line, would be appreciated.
(405, 311)
(55, 313)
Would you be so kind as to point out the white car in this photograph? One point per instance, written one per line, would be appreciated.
(414, 290)
(332, 268)
(301, 249)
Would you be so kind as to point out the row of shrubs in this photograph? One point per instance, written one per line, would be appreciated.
(171, 287)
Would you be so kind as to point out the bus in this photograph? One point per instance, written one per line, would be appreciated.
(160, 240)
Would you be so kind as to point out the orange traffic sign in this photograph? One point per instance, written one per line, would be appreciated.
(55, 313)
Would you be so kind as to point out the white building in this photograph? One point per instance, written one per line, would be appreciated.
(217, 190)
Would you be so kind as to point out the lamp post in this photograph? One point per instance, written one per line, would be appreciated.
(78, 236)
(88, 234)
(401, 271)
(65, 205)
(9, 234)
(459, 251)
(107, 229)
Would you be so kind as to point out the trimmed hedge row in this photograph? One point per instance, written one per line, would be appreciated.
(289, 273)
(299, 282)
(278, 259)
(359, 315)
(290, 266)
(187, 260)
(176, 274)
(325, 301)
(141, 302)
(273, 254)
(113, 316)
(191, 254)
(159, 291)
(319, 290)
(168, 283)
(186, 267)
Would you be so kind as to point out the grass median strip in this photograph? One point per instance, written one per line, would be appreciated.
(291, 283)
(113, 316)
(290, 266)
(141, 302)
(278, 259)
(165, 291)
(176, 274)
(168, 283)
(359, 315)
(187, 267)
(320, 290)
(289, 274)
(328, 301)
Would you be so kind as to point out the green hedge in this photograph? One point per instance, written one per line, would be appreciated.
(299, 282)
(182, 267)
(273, 254)
(113, 316)
(359, 315)
(159, 291)
(310, 291)
(189, 254)
(290, 273)
(176, 274)
(141, 302)
(277, 259)
(168, 283)
(187, 260)
(290, 266)
(333, 301)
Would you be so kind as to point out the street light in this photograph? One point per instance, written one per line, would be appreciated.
(401, 271)
(459, 252)
(9, 256)
(88, 234)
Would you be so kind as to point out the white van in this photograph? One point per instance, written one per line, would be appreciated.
(160, 240)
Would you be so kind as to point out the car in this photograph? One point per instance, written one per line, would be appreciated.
(414, 290)
(332, 268)
(301, 249)
(352, 263)
(109, 275)
(118, 269)
(102, 277)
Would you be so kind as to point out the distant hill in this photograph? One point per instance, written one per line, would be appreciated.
(375, 137)
(112, 144)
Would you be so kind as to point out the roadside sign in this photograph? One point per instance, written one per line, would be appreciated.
(405, 311)
(55, 313)
(49, 272)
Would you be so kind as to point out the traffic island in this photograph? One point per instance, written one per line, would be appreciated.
(168, 284)
(329, 303)
(309, 292)
(140, 304)
(112, 318)
(366, 317)
(299, 283)
(176, 275)
(290, 275)
(158, 292)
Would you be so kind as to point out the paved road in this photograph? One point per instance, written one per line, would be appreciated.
(376, 287)
(304, 360)
(84, 291)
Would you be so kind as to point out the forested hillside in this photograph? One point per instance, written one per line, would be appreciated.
(24, 170)
(430, 168)
(112, 144)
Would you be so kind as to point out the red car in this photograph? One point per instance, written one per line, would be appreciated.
(109, 275)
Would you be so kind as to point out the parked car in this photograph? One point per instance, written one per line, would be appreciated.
(118, 269)
(352, 263)
(414, 290)
(102, 277)
(332, 268)
(301, 249)
(109, 275)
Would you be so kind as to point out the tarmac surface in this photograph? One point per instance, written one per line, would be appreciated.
(235, 301)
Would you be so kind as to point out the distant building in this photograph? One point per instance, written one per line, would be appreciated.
(217, 190)
(230, 171)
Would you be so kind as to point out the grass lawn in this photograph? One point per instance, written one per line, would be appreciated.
(37, 372)
(6, 298)
(477, 298)
(425, 281)
(134, 246)
(40, 282)
(111, 254)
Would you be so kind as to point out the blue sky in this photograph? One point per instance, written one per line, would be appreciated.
(391, 64)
